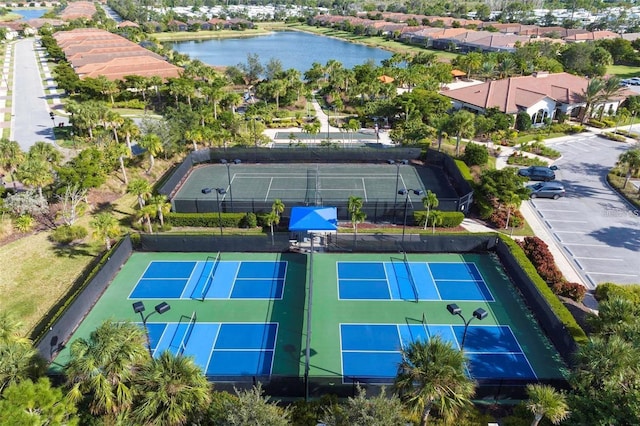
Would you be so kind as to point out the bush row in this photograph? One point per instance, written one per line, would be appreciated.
(539, 148)
(212, 220)
(556, 305)
(449, 219)
(613, 136)
(538, 253)
(523, 160)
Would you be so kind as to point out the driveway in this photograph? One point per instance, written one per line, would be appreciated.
(31, 122)
(597, 229)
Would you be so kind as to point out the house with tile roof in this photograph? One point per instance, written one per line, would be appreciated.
(541, 95)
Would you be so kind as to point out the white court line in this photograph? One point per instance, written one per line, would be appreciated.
(364, 188)
(568, 221)
(266, 197)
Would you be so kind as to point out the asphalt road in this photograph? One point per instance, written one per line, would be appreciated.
(31, 121)
(597, 229)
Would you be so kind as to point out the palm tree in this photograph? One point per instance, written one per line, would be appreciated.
(432, 375)
(436, 219)
(153, 144)
(610, 89)
(545, 401)
(105, 227)
(145, 214)
(630, 161)
(46, 152)
(461, 124)
(277, 206)
(141, 188)
(429, 201)
(19, 360)
(170, 390)
(102, 367)
(511, 201)
(272, 219)
(590, 96)
(130, 130)
(11, 156)
(35, 172)
(161, 205)
(355, 210)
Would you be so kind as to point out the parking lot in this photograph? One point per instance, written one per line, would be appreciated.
(598, 230)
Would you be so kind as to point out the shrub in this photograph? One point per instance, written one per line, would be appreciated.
(574, 291)
(24, 223)
(538, 253)
(597, 123)
(608, 291)
(475, 155)
(499, 218)
(523, 121)
(250, 220)
(613, 137)
(449, 219)
(210, 220)
(131, 103)
(464, 171)
(66, 234)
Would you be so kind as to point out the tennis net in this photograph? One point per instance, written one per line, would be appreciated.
(206, 277)
(410, 276)
(187, 335)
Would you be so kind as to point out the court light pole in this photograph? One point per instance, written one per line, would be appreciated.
(160, 308)
(219, 192)
(478, 314)
(397, 163)
(228, 164)
(407, 192)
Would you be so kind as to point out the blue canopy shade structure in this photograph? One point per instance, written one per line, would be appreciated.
(314, 219)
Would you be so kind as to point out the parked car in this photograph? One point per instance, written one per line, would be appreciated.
(539, 173)
(553, 190)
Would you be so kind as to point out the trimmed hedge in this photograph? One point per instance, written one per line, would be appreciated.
(613, 137)
(556, 305)
(207, 220)
(607, 291)
(449, 219)
(464, 170)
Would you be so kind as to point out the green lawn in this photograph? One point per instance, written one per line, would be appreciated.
(623, 71)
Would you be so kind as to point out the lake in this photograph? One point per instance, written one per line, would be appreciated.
(294, 49)
(29, 13)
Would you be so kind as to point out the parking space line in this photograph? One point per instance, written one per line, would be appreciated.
(608, 259)
(570, 232)
(611, 273)
(565, 211)
(586, 245)
(569, 221)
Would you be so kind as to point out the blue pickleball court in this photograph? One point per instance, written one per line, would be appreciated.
(220, 349)
(417, 281)
(372, 352)
(212, 280)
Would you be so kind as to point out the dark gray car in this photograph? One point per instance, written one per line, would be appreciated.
(539, 173)
(553, 190)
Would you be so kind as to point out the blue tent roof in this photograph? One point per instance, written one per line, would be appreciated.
(313, 219)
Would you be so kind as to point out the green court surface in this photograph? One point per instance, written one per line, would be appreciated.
(300, 182)
(251, 317)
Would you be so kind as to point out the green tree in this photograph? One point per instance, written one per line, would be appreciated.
(105, 227)
(277, 206)
(11, 156)
(436, 219)
(255, 409)
(630, 162)
(142, 189)
(355, 211)
(429, 201)
(101, 369)
(161, 206)
(380, 410)
(170, 390)
(18, 358)
(545, 401)
(28, 403)
(35, 172)
(153, 144)
(461, 125)
(432, 376)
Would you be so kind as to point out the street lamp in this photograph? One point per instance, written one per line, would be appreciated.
(228, 164)
(138, 308)
(219, 192)
(406, 192)
(53, 118)
(397, 163)
(478, 314)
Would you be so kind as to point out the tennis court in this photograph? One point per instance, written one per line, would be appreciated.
(243, 315)
(302, 182)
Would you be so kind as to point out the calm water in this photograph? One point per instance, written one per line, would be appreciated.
(294, 49)
(30, 13)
